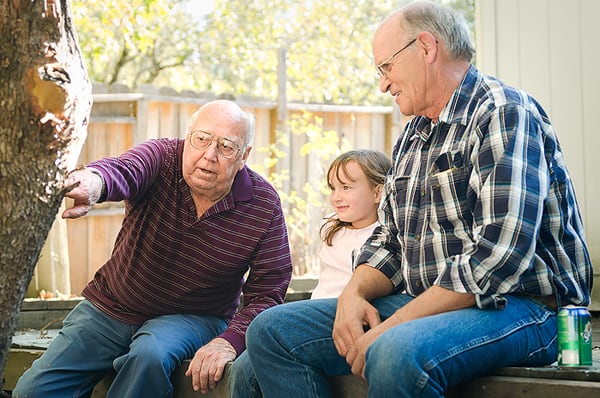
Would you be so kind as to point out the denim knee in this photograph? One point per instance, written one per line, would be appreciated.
(242, 380)
(145, 352)
(383, 362)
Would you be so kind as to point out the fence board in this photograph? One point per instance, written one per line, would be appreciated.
(120, 120)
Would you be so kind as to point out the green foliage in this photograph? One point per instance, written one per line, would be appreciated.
(234, 48)
(327, 43)
(306, 205)
(133, 42)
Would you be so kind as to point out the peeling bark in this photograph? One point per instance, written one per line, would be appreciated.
(45, 103)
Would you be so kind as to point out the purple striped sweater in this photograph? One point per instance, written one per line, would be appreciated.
(167, 260)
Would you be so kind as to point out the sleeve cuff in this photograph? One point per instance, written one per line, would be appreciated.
(238, 342)
(103, 191)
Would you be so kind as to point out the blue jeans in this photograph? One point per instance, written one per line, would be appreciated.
(292, 352)
(91, 343)
(242, 382)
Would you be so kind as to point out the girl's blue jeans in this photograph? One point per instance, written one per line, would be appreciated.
(291, 350)
(91, 343)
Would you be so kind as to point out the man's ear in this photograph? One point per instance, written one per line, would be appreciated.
(245, 156)
(428, 43)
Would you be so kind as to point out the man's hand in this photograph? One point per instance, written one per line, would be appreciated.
(86, 191)
(353, 314)
(354, 311)
(434, 300)
(206, 368)
(358, 352)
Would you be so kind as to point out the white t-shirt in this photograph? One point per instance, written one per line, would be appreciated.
(336, 260)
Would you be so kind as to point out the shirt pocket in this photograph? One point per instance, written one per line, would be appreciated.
(398, 189)
(451, 217)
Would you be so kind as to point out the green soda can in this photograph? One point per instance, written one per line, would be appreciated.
(574, 336)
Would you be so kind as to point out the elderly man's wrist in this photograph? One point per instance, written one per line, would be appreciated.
(103, 190)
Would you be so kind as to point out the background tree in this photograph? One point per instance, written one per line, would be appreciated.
(134, 42)
(45, 104)
(328, 46)
(233, 49)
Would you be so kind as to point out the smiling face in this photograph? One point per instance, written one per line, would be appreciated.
(352, 197)
(404, 73)
(208, 174)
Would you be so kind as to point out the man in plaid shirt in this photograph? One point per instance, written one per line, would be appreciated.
(480, 242)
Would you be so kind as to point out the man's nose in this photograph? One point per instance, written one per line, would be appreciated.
(384, 83)
(211, 151)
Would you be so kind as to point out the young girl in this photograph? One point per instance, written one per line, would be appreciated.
(356, 179)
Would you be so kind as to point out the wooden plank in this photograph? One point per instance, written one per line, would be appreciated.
(17, 362)
(485, 20)
(534, 50)
(565, 106)
(348, 386)
(505, 383)
(508, 62)
(588, 196)
(512, 387)
(168, 117)
(77, 231)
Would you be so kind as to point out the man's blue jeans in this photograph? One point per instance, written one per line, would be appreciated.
(91, 343)
(241, 380)
(292, 351)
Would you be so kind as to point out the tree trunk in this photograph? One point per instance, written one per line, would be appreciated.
(45, 102)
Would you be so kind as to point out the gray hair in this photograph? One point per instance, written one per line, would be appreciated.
(250, 128)
(444, 23)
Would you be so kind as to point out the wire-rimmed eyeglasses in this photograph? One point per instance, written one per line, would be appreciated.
(200, 139)
(384, 68)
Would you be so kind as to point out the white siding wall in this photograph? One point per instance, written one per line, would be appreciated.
(551, 48)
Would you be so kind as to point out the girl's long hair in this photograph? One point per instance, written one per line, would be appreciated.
(374, 164)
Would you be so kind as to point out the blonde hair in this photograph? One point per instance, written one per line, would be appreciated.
(374, 164)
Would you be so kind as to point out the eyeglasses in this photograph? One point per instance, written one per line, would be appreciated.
(225, 147)
(384, 67)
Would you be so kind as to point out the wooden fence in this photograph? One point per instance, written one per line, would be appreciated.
(120, 120)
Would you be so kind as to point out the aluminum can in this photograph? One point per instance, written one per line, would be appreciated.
(574, 336)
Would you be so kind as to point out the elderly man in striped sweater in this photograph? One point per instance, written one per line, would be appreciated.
(197, 221)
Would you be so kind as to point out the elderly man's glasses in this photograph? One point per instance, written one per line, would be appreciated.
(384, 68)
(201, 139)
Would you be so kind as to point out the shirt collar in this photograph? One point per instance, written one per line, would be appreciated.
(457, 109)
(241, 189)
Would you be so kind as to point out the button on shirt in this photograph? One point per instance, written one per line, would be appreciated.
(482, 203)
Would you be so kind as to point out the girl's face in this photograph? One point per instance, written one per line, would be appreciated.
(353, 199)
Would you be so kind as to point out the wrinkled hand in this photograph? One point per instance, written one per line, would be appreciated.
(206, 368)
(352, 315)
(86, 191)
(357, 353)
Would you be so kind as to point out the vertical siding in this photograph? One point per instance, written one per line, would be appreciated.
(589, 72)
(550, 49)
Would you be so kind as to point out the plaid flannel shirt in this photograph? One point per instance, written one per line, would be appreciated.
(482, 203)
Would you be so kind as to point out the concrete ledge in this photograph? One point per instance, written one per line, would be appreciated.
(508, 386)
(514, 382)
(506, 382)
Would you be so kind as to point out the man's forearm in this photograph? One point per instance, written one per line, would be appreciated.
(369, 283)
(435, 300)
